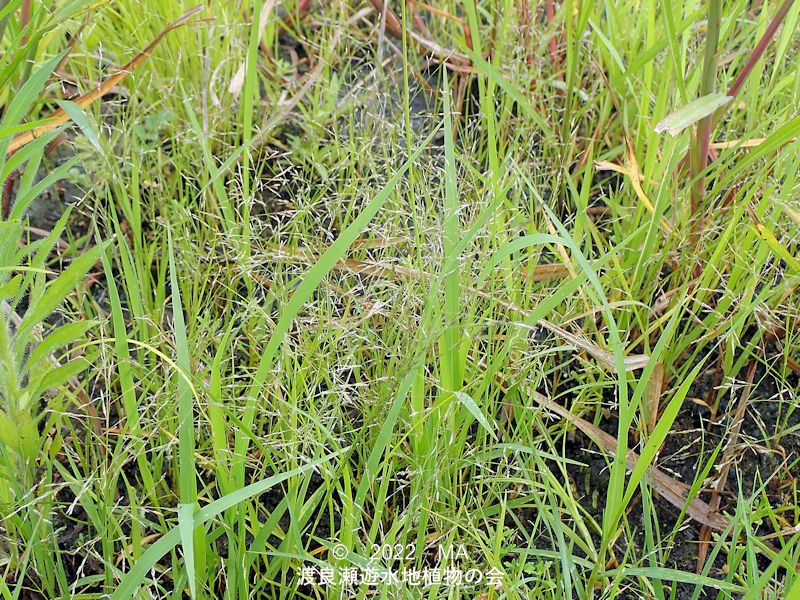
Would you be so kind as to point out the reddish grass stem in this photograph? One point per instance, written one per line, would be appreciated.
(25, 19)
(705, 127)
(758, 51)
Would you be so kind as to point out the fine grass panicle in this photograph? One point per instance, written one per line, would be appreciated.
(464, 299)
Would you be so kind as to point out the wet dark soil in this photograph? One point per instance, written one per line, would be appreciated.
(766, 457)
(49, 207)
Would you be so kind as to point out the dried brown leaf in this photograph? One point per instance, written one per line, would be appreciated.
(654, 395)
(673, 491)
(237, 81)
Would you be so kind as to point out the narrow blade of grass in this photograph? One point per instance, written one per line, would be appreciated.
(133, 578)
(186, 437)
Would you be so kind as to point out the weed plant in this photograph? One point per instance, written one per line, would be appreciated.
(515, 281)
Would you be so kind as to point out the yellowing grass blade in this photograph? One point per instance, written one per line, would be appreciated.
(777, 248)
(632, 171)
(60, 116)
(605, 165)
(751, 143)
(795, 215)
(631, 164)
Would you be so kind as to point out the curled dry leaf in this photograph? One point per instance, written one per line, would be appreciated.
(631, 164)
(237, 82)
(632, 168)
(605, 165)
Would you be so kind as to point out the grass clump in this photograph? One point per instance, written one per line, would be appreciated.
(386, 290)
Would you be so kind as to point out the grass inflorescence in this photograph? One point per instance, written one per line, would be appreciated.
(384, 288)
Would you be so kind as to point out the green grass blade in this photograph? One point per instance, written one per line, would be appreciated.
(25, 97)
(59, 289)
(79, 117)
(475, 410)
(660, 432)
(131, 580)
(186, 437)
(449, 346)
(309, 283)
(691, 113)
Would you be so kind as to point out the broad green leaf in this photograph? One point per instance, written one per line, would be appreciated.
(451, 366)
(9, 433)
(11, 287)
(216, 418)
(57, 377)
(689, 114)
(14, 130)
(78, 115)
(28, 436)
(40, 253)
(188, 482)
(68, 9)
(793, 592)
(63, 336)
(10, 233)
(27, 270)
(25, 197)
(59, 289)
(476, 412)
(676, 575)
(186, 527)
(24, 154)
